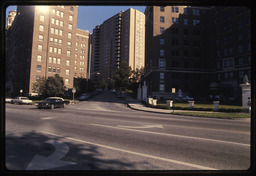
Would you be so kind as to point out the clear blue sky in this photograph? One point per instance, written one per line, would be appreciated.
(91, 16)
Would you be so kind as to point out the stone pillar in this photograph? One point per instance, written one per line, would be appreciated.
(246, 93)
(191, 104)
(216, 105)
(154, 102)
(144, 92)
(139, 93)
(169, 103)
(150, 101)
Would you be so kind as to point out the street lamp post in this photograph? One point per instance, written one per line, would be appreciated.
(173, 91)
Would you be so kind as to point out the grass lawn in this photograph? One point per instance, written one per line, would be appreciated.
(220, 115)
(204, 107)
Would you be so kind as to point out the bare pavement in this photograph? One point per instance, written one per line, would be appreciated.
(104, 133)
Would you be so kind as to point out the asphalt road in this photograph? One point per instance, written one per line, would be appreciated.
(104, 134)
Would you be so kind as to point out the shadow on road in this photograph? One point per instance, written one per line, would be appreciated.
(20, 151)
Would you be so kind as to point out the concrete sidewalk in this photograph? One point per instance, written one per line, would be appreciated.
(137, 105)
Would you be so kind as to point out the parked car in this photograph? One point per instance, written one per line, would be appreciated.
(83, 97)
(120, 94)
(52, 102)
(187, 98)
(21, 100)
(8, 100)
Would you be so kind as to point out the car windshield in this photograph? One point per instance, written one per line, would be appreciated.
(50, 99)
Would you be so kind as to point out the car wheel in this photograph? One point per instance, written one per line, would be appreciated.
(52, 106)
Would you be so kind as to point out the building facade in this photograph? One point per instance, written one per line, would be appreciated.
(185, 50)
(121, 37)
(43, 41)
(10, 18)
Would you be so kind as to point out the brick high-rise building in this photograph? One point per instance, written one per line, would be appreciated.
(43, 41)
(121, 37)
(201, 50)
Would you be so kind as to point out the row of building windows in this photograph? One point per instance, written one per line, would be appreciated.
(185, 21)
(186, 31)
(176, 10)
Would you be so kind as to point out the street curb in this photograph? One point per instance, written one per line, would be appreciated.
(181, 114)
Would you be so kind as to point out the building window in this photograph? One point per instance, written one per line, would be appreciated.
(196, 22)
(69, 35)
(61, 33)
(67, 62)
(58, 13)
(61, 23)
(42, 18)
(72, 9)
(41, 37)
(185, 11)
(68, 53)
(161, 19)
(39, 58)
(67, 81)
(161, 52)
(58, 61)
(55, 50)
(161, 41)
(50, 59)
(40, 48)
(161, 76)
(41, 28)
(59, 51)
(49, 69)
(196, 12)
(185, 21)
(161, 8)
(240, 48)
(58, 70)
(161, 30)
(57, 22)
(57, 31)
(70, 26)
(50, 49)
(70, 18)
(38, 68)
(175, 10)
(53, 20)
(162, 63)
(67, 71)
(37, 78)
(61, 14)
(161, 87)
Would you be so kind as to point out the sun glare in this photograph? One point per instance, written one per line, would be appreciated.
(43, 8)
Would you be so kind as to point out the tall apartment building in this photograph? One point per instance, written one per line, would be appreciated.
(121, 37)
(43, 41)
(231, 40)
(176, 42)
(200, 50)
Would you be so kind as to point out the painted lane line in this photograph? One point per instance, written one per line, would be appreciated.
(135, 153)
(175, 135)
(47, 118)
(54, 160)
(143, 126)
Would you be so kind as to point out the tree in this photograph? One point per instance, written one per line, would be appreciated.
(52, 86)
(122, 74)
(135, 79)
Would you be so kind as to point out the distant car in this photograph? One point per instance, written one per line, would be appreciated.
(52, 102)
(83, 97)
(21, 100)
(120, 94)
(187, 98)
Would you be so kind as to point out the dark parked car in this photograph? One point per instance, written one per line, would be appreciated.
(52, 102)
